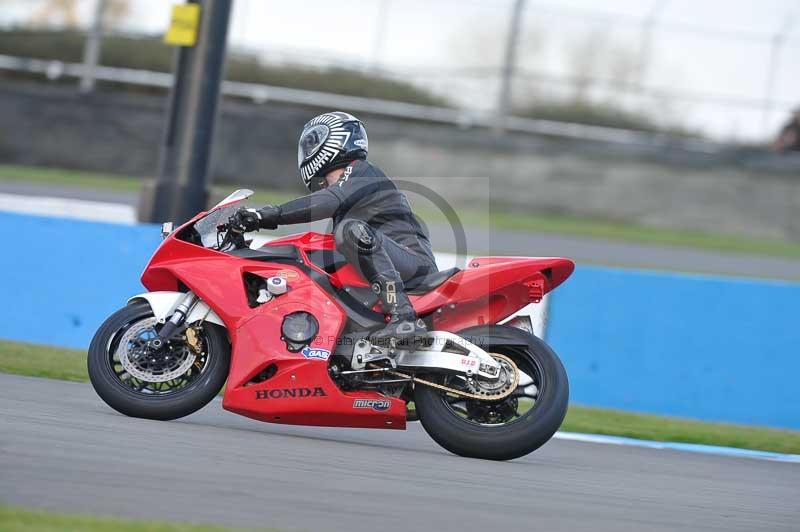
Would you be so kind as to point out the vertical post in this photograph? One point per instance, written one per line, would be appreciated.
(379, 39)
(181, 189)
(91, 49)
(772, 67)
(155, 203)
(648, 26)
(205, 82)
(509, 63)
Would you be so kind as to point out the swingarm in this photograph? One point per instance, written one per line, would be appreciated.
(438, 350)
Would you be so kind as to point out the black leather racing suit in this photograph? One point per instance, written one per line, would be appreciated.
(374, 228)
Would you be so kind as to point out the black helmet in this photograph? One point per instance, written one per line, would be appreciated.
(329, 141)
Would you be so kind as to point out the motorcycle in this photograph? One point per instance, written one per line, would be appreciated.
(285, 328)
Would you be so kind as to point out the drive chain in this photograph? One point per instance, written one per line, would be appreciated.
(479, 396)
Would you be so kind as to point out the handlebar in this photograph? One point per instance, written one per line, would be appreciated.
(232, 236)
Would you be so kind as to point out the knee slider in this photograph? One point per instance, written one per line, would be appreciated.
(358, 235)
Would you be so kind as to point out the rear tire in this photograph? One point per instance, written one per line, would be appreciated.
(122, 398)
(500, 441)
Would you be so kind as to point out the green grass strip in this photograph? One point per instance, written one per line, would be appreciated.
(43, 361)
(69, 364)
(646, 235)
(670, 429)
(15, 519)
(69, 178)
(617, 231)
(499, 219)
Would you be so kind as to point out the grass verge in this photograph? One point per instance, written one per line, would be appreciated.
(15, 519)
(69, 178)
(554, 224)
(663, 428)
(565, 225)
(69, 364)
(43, 361)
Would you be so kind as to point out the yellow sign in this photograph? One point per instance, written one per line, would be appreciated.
(184, 25)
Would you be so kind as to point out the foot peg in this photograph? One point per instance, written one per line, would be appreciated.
(364, 352)
(400, 334)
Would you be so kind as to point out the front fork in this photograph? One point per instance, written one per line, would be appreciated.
(182, 310)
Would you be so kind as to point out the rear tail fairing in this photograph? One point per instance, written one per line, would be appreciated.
(490, 289)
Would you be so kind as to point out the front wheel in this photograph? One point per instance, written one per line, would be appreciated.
(168, 383)
(511, 427)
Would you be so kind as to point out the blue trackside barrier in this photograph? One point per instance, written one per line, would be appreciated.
(60, 279)
(681, 345)
(690, 346)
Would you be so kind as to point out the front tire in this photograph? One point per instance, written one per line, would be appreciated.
(477, 430)
(135, 396)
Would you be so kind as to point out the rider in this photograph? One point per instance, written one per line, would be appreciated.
(373, 224)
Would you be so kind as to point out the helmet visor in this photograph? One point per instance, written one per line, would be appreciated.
(311, 141)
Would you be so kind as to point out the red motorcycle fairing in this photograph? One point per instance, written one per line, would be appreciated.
(268, 382)
(300, 390)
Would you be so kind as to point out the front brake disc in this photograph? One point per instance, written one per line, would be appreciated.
(140, 364)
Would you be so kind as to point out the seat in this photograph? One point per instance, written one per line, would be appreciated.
(423, 285)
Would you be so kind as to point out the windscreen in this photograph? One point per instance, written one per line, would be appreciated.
(204, 231)
(206, 227)
(237, 195)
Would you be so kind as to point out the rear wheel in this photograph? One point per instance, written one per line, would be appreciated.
(499, 429)
(174, 381)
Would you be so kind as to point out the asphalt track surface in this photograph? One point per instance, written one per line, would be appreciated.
(61, 448)
(495, 241)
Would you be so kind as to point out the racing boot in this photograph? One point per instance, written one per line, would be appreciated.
(403, 326)
(363, 246)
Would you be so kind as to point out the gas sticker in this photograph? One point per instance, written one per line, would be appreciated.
(316, 353)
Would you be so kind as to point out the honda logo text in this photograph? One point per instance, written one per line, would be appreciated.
(286, 393)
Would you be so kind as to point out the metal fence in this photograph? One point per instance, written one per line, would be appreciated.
(55, 70)
(722, 68)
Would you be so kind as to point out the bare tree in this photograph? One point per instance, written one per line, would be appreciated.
(477, 51)
(624, 67)
(66, 14)
(117, 11)
(58, 11)
(585, 61)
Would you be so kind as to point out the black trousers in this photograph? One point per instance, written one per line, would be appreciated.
(378, 256)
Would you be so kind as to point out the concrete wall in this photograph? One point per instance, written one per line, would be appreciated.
(698, 347)
(744, 192)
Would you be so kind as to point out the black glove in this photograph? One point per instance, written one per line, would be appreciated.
(246, 220)
(270, 214)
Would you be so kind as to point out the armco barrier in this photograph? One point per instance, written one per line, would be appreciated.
(681, 345)
(699, 347)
